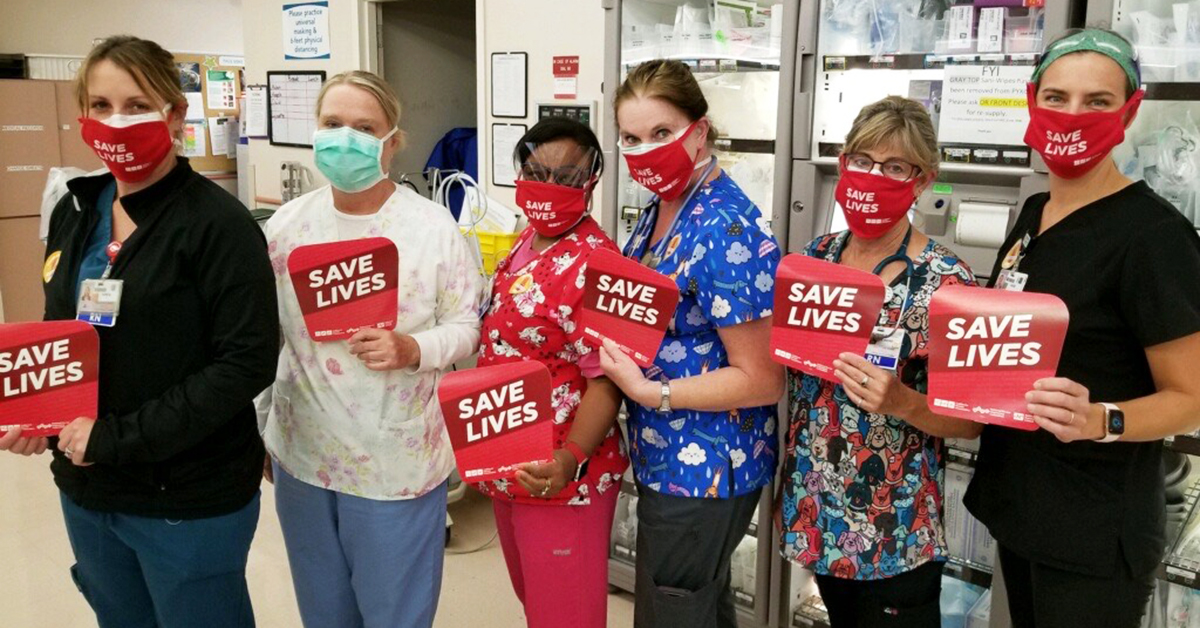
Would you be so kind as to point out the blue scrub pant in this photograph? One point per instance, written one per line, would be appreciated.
(362, 563)
(138, 572)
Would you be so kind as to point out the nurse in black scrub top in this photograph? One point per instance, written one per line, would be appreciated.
(1077, 507)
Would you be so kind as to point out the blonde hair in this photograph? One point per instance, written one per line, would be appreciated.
(374, 85)
(670, 80)
(900, 123)
(152, 67)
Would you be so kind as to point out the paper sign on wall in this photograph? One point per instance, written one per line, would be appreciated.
(987, 348)
(498, 417)
(306, 30)
(566, 76)
(821, 310)
(48, 375)
(222, 90)
(346, 286)
(984, 104)
(627, 303)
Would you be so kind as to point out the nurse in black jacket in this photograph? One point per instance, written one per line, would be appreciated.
(160, 494)
(1077, 507)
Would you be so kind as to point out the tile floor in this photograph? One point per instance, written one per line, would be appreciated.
(38, 593)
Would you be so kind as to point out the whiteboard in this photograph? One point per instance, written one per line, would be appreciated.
(292, 107)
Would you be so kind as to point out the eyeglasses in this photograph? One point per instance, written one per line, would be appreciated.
(570, 176)
(896, 169)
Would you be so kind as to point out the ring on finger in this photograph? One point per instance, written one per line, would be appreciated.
(69, 451)
(1072, 417)
(865, 380)
(546, 489)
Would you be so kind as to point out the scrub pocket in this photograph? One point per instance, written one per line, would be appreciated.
(674, 607)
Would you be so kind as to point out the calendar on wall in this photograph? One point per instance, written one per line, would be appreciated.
(292, 106)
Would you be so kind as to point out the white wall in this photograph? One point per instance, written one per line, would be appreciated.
(544, 29)
(263, 23)
(67, 27)
(429, 59)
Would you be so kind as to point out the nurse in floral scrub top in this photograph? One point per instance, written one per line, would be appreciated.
(861, 498)
(702, 420)
(554, 520)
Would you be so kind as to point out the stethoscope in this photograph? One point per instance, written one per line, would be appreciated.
(901, 255)
(656, 254)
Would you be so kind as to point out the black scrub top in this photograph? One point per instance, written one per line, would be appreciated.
(1128, 268)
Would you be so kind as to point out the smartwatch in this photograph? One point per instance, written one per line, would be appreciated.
(1114, 423)
(664, 406)
(581, 460)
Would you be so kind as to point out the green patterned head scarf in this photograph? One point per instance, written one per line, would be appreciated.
(1104, 42)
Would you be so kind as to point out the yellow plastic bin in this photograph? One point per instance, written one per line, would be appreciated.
(493, 247)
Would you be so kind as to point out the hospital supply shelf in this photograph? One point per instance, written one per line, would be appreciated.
(969, 571)
(920, 61)
(811, 614)
(1184, 443)
(1182, 564)
(721, 65)
(961, 456)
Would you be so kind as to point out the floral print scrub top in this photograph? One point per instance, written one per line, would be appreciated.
(723, 256)
(861, 491)
(534, 315)
(335, 424)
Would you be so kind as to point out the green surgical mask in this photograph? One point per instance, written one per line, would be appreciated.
(349, 158)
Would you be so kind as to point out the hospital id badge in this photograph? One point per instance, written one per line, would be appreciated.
(884, 349)
(99, 302)
(1012, 280)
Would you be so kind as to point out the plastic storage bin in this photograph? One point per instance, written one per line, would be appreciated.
(493, 247)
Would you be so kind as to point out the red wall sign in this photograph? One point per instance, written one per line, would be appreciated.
(821, 310)
(628, 304)
(48, 375)
(566, 66)
(988, 347)
(498, 417)
(346, 286)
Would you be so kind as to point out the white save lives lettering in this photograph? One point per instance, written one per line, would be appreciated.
(346, 280)
(627, 299)
(647, 176)
(984, 354)
(820, 317)
(25, 370)
(113, 153)
(862, 202)
(498, 410)
(1065, 143)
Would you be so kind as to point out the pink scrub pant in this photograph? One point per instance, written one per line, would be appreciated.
(557, 558)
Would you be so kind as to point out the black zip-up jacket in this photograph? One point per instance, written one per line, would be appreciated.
(196, 339)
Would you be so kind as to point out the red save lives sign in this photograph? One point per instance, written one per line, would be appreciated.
(346, 286)
(498, 417)
(821, 310)
(48, 375)
(988, 347)
(627, 303)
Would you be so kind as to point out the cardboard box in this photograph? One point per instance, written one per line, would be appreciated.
(29, 144)
(21, 257)
(74, 151)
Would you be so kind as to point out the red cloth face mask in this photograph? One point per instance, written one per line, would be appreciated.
(131, 146)
(552, 209)
(873, 203)
(664, 169)
(1071, 144)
